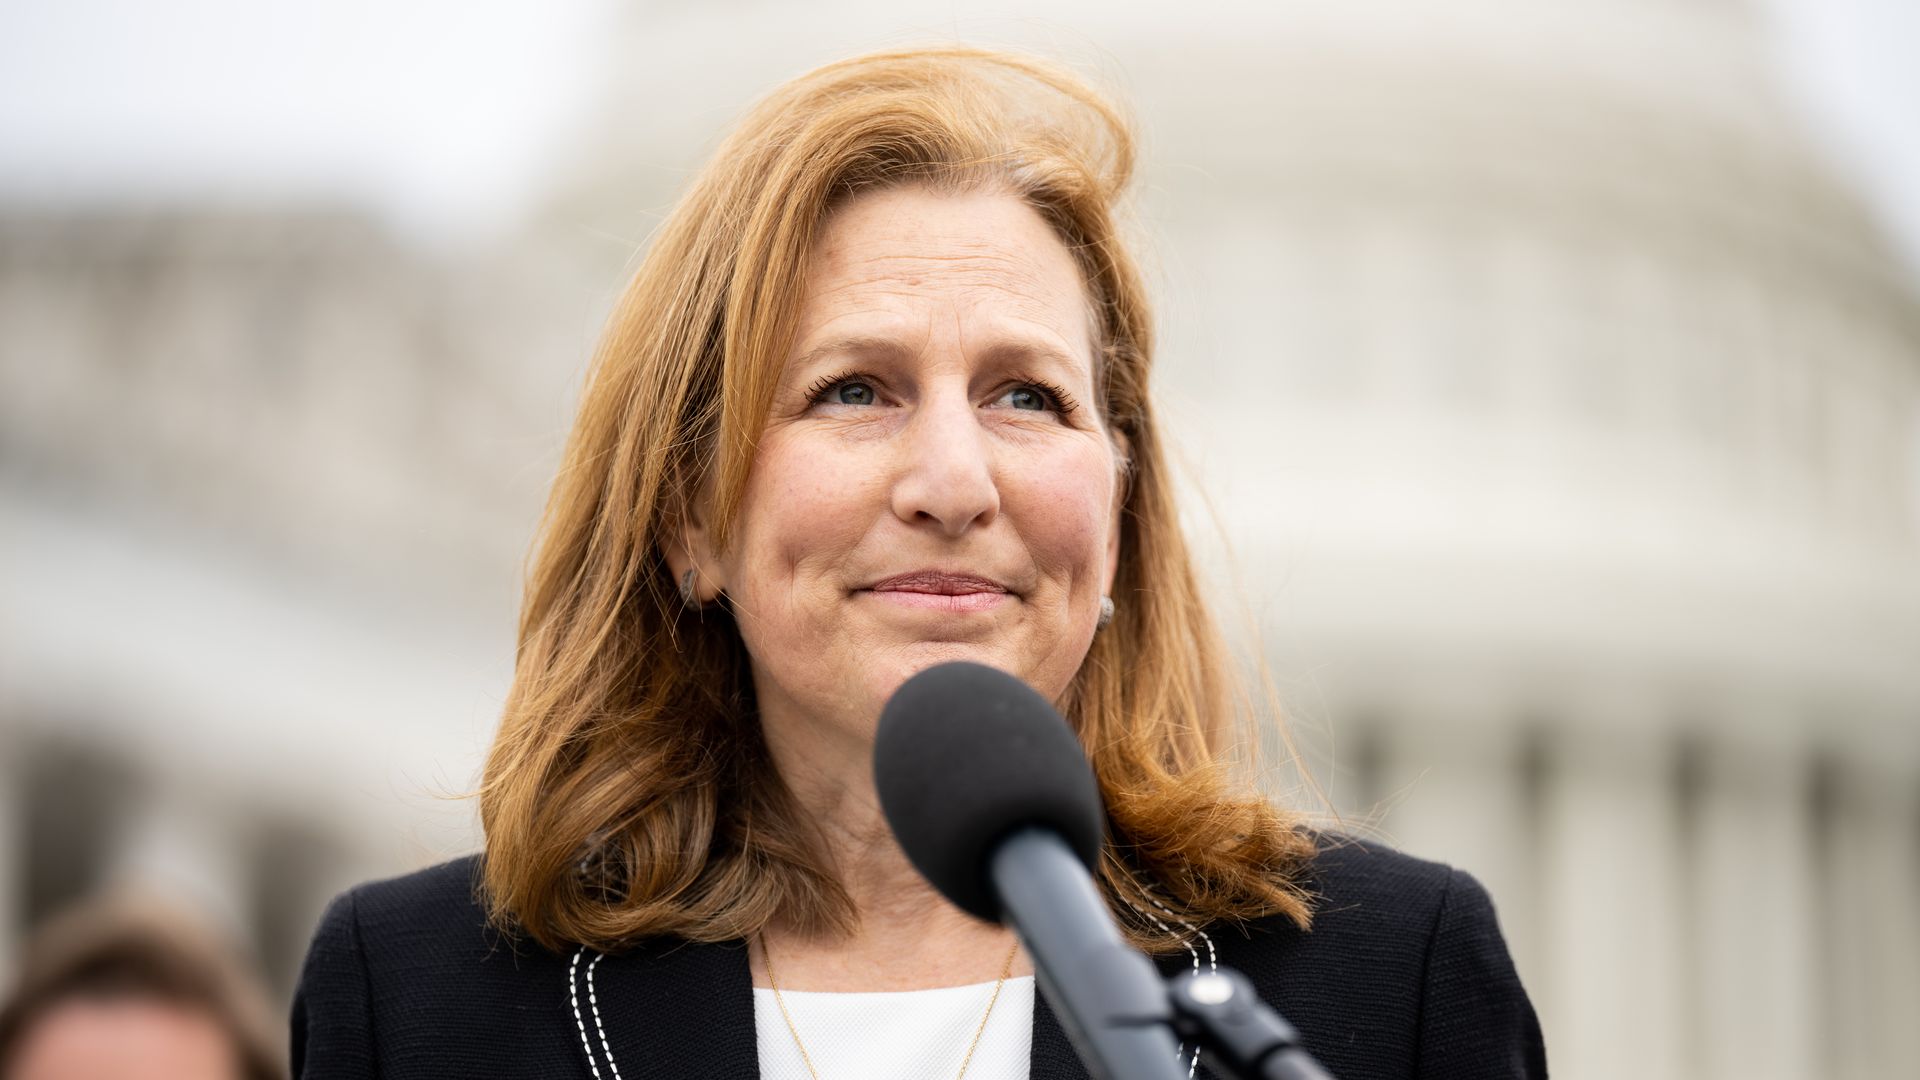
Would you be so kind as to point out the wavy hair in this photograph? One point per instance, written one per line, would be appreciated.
(629, 792)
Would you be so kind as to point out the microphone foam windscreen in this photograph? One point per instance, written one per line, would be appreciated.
(967, 754)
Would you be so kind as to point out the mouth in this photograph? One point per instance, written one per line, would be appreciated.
(940, 590)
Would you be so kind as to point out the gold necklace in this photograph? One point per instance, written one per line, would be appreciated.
(807, 1060)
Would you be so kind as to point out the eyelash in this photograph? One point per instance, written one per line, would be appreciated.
(1060, 401)
(1063, 402)
(819, 389)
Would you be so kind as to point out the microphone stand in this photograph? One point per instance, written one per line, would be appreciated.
(1121, 1016)
(1240, 1035)
(1110, 1000)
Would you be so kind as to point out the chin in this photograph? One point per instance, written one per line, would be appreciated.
(912, 659)
(916, 657)
(922, 655)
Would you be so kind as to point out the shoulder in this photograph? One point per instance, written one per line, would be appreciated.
(1403, 972)
(417, 924)
(444, 895)
(410, 919)
(1351, 876)
(1374, 909)
(1365, 887)
(409, 968)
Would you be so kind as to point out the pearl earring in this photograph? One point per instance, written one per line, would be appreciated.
(688, 598)
(1106, 611)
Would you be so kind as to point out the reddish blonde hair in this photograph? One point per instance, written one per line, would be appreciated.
(629, 792)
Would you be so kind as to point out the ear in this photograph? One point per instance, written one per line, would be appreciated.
(686, 543)
(1123, 485)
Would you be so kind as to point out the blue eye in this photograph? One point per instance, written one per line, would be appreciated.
(1026, 397)
(853, 393)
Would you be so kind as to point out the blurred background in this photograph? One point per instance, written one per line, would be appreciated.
(1547, 377)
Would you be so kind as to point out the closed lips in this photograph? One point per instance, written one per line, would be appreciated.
(941, 584)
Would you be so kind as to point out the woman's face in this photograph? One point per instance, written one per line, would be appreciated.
(935, 481)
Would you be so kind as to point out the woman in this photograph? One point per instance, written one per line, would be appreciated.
(876, 399)
(120, 986)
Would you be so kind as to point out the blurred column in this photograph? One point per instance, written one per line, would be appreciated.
(1611, 900)
(296, 867)
(13, 854)
(1872, 892)
(1454, 775)
(1898, 844)
(188, 847)
(1753, 906)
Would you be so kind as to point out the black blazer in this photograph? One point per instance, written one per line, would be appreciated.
(1404, 974)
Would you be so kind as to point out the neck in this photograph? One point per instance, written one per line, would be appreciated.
(905, 935)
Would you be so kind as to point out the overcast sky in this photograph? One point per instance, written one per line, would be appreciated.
(1855, 65)
(445, 115)
(442, 114)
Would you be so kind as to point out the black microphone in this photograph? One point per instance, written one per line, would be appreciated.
(992, 799)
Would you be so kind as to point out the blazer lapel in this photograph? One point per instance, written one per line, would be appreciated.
(1053, 1056)
(685, 1009)
(674, 1008)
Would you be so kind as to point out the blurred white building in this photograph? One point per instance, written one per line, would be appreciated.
(1561, 409)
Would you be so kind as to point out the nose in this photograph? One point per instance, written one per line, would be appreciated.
(945, 479)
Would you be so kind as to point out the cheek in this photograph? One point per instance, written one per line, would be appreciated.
(1064, 506)
(801, 515)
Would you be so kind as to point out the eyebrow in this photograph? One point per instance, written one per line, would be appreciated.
(862, 345)
(869, 345)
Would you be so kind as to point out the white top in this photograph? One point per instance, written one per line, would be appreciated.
(901, 1035)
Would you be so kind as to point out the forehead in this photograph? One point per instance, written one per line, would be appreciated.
(914, 253)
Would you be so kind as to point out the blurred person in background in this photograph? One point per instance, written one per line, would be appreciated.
(122, 990)
(876, 399)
